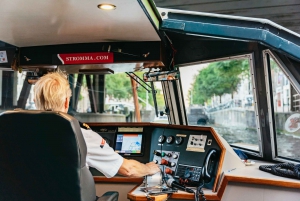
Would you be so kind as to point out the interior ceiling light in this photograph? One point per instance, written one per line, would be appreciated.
(107, 6)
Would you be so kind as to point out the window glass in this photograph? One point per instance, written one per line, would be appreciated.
(11, 86)
(286, 111)
(220, 95)
(112, 97)
(116, 95)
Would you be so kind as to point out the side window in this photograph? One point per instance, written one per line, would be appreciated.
(220, 95)
(285, 105)
(15, 92)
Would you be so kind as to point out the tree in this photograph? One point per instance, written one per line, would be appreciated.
(217, 79)
(118, 86)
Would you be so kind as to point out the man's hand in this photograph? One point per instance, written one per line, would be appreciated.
(153, 168)
(133, 168)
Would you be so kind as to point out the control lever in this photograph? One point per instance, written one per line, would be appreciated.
(157, 153)
(173, 184)
(167, 163)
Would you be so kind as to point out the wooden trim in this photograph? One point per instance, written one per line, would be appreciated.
(221, 160)
(287, 184)
(118, 179)
(189, 196)
(173, 126)
(130, 196)
(223, 185)
(119, 124)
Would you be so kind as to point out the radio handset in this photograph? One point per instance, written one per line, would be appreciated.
(209, 166)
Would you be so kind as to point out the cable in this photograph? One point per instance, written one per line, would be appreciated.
(199, 192)
(163, 167)
(289, 170)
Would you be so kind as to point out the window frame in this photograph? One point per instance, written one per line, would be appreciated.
(250, 57)
(267, 54)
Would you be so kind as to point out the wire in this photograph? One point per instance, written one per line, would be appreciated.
(199, 192)
(163, 167)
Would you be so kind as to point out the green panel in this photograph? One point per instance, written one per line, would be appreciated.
(151, 13)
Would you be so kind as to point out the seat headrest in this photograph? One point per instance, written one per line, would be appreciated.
(39, 150)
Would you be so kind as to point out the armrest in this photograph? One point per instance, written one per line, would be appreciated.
(109, 196)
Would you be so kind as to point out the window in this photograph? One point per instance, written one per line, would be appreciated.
(285, 104)
(113, 99)
(220, 95)
(14, 90)
(101, 98)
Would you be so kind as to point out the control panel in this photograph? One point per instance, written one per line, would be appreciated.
(167, 160)
(185, 155)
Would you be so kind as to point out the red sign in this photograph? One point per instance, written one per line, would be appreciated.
(87, 58)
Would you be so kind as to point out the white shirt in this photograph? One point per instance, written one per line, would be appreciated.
(103, 158)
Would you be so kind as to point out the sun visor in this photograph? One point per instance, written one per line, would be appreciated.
(92, 57)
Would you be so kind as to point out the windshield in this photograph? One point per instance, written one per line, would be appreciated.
(95, 98)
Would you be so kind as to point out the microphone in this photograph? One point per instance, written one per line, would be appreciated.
(172, 183)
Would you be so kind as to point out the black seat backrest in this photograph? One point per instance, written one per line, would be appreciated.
(43, 157)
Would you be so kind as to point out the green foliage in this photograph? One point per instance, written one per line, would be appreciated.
(118, 86)
(217, 79)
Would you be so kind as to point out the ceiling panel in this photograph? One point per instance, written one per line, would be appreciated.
(47, 22)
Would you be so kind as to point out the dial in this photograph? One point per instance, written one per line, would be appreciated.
(178, 140)
(170, 139)
(161, 139)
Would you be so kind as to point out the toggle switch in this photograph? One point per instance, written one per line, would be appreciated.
(168, 171)
(157, 153)
(164, 162)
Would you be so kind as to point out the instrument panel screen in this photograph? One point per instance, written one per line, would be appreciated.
(129, 144)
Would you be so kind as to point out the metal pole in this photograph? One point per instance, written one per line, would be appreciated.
(135, 100)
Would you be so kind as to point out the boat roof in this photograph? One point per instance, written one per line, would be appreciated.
(48, 22)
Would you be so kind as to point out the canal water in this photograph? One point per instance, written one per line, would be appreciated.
(287, 145)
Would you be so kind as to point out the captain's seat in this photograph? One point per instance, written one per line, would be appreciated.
(43, 157)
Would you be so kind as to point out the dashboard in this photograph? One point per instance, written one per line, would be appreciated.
(181, 151)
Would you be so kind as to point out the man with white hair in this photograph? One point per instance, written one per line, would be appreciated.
(52, 92)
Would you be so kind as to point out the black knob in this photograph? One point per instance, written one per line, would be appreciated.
(157, 153)
(169, 154)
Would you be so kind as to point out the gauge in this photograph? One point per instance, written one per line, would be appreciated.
(178, 140)
(170, 139)
(161, 139)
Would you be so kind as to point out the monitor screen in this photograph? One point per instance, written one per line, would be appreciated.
(129, 144)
